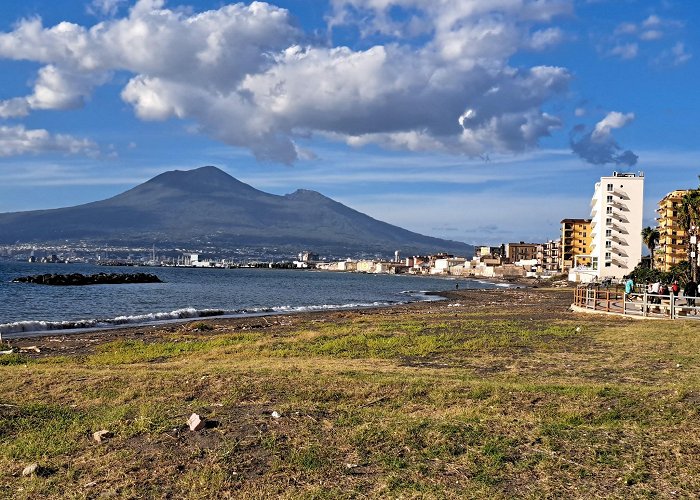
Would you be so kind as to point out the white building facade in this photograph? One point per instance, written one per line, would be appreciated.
(616, 220)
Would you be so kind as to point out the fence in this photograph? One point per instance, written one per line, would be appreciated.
(637, 304)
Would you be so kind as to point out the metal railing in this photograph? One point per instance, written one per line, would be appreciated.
(642, 304)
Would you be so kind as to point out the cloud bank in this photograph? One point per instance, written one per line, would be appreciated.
(248, 76)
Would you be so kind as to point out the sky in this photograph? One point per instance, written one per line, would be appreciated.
(483, 121)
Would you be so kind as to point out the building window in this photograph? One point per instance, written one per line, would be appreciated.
(609, 198)
(608, 255)
(608, 210)
(608, 220)
(608, 232)
(610, 187)
(608, 264)
(608, 244)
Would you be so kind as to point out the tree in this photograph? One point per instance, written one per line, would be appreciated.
(650, 237)
(689, 220)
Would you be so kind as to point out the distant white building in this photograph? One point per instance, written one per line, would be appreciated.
(616, 222)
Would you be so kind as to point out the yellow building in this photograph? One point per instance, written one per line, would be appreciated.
(671, 249)
(575, 240)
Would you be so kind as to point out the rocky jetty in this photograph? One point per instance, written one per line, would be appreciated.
(77, 279)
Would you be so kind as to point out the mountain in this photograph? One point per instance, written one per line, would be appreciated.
(208, 207)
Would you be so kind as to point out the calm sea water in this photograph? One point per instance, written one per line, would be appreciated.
(192, 293)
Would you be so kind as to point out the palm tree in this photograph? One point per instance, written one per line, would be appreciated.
(650, 237)
(689, 220)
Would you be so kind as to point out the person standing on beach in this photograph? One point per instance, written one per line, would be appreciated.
(690, 292)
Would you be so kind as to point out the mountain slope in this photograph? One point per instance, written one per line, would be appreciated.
(208, 206)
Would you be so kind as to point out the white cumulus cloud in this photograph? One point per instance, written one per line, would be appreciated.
(675, 56)
(105, 7)
(625, 51)
(248, 76)
(13, 108)
(17, 140)
(612, 120)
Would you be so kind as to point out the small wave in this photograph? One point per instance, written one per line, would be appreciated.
(47, 326)
(22, 327)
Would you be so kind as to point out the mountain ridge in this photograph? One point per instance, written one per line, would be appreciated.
(208, 206)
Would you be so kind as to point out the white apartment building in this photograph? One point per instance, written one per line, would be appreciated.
(616, 222)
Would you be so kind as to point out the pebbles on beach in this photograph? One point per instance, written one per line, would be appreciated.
(99, 436)
(30, 470)
(196, 423)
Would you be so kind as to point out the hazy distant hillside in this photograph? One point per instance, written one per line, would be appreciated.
(208, 206)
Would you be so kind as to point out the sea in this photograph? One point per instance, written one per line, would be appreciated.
(187, 293)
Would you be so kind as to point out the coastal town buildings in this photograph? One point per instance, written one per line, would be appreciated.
(576, 237)
(616, 227)
(482, 251)
(548, 256)
(671, 249)
(446, 265)
(520, 251)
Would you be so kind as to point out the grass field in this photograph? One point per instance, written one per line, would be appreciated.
(487, 395)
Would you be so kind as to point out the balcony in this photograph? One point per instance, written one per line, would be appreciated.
(617, 203)
(618, 251)
(619, 217)
(620, 229)
(620, 193)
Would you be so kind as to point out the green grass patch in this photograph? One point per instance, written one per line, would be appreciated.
(14, 359)
(138, 351)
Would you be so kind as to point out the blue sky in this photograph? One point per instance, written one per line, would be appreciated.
(484, 121)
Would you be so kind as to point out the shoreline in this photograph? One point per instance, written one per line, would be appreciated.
(186, 315)
(59, 342)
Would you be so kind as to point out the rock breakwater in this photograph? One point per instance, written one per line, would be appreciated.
(77, 279)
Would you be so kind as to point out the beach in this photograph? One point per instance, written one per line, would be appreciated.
(78, 342)
(489, 393)
(192, 293)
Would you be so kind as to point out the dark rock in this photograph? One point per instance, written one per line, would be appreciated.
(77, 279)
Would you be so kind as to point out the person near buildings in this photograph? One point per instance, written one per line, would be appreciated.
(690, 291)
